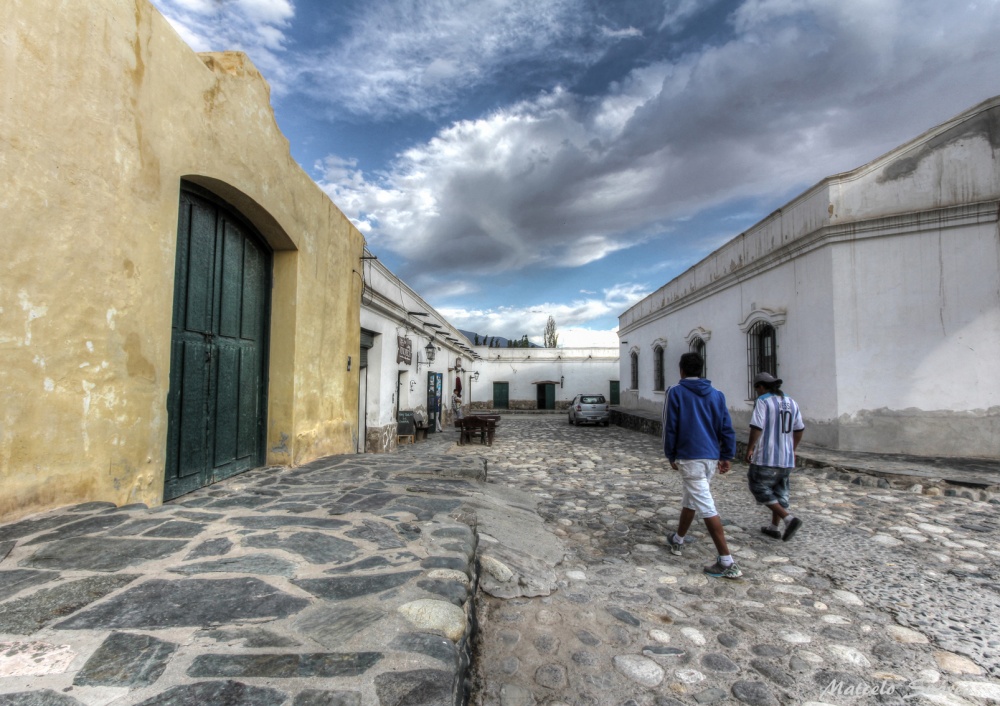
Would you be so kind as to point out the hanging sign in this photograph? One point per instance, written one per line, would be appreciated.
(404, 350)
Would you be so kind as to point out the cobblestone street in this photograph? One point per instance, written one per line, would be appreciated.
(372, 580)
(885, 595)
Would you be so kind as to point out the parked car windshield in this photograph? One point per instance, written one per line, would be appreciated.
(592, 399)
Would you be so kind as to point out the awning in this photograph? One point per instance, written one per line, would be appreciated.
(545, 382)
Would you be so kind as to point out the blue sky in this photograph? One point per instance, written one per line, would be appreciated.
(516, 159)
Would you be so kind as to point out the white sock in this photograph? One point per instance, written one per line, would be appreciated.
(788, 518)
(726, 560)
(678, 539)
(772, 527)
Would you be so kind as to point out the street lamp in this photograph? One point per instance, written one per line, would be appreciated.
(430, 350)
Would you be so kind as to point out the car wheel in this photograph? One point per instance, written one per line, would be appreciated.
(569, 419)
(607, 424)
(577, 421)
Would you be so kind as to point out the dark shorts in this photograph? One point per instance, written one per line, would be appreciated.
(769, 484)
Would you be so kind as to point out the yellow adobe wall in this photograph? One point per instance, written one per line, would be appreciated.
(104, 111)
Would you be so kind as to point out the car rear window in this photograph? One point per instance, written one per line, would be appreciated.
(592, 399)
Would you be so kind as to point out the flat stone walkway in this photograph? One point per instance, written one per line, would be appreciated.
(353, 581)
(346, 581)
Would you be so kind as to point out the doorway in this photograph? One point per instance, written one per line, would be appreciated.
(216, 406)
(501, 395)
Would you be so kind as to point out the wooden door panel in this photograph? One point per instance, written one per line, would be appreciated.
(231, 289)
(194, 404)
(249, 431)
(200, 270)
(226, 402)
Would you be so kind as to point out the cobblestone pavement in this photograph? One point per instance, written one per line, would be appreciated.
(349, 582)
(884, 596)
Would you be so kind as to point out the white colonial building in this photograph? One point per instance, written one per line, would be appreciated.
(541, 378)
(875, 295)
(407, 360)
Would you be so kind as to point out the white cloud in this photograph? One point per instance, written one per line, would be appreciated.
(803, 90)
(404, 57)
(572, 318)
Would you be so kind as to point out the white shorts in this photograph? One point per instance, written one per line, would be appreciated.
(697, 475)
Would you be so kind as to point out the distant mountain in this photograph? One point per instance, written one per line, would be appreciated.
(501, 341)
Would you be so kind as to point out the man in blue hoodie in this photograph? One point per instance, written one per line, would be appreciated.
(698, 440)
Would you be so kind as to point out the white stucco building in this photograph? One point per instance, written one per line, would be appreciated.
(875, 295)
(397, 326)
(541, 378)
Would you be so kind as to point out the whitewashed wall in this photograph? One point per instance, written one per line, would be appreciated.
(884, 286)
(582, 370)
(384, 310)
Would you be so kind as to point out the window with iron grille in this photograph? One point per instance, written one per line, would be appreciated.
(762, 353)
(635, 370)
(698, 346)
(658, 368)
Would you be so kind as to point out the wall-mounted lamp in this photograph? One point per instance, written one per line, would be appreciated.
(413, 385)
(348, 363)
(475, 375)
(561, 380)
(431, 351)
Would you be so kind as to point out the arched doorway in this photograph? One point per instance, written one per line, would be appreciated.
(217, 402)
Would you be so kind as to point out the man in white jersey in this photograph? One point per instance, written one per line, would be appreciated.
(775, 432)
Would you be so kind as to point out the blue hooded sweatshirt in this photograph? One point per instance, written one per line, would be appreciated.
(696, 423)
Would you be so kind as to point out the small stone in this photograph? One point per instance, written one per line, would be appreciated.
(710, 696)
(641, 670)
(496, 568)
(719, 663)
(436, 616)
(906, 635)
(694, 636)
(513, 695)
(753, 693)
(661, 636)
(979, 690)
(551, 676)
(955, 664)
(689, 676)
(849, 655)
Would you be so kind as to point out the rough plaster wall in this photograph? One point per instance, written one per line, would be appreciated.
(108, 111)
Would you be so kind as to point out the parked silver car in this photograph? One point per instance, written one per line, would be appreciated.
(589, 408)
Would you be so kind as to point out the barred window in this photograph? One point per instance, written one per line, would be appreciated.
(698, 346)
(762, 353)
(658, 368)
(635, 370)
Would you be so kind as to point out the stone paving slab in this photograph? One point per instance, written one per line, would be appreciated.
(346, 581)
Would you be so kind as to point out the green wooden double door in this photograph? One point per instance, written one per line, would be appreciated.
(218, 362)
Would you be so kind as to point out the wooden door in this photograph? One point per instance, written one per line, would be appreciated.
(216, 405)
(615, 394)
(500, 395)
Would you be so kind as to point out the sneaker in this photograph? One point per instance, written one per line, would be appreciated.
(773, 533)
(791, 529)
(675, 547)
(719, 571)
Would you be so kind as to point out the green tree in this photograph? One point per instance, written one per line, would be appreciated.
(476, 342)
(551, 338)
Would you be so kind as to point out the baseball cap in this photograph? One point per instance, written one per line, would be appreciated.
(765, 378)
